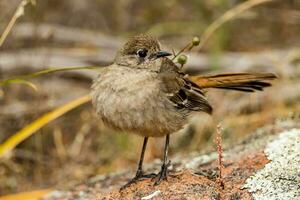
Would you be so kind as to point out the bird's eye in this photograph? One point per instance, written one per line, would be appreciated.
(142, 53)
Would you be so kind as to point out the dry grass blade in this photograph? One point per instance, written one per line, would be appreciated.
(32, 195)
(228, 15)
(27, 131)
(18, 13)
(22, 79)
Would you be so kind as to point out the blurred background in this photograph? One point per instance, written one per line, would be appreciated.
(56, 33)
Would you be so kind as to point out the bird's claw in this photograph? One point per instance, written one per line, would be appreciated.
(138, 177)
(163, 174)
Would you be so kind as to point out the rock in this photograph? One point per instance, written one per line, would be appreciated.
(263, 166)
(280, 178)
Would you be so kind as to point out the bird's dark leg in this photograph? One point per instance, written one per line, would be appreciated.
(139, 173)
(162, 175)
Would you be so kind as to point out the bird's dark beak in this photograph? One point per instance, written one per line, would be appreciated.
(161, 54)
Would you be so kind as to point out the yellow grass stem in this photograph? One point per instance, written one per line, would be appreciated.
(32, 195)
(27, 131)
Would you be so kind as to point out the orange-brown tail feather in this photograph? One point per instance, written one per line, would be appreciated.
(246, 82)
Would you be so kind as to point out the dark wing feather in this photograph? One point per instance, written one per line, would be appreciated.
(182, 92)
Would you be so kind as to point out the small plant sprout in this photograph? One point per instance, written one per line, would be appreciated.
(196, 41)
(182, 59)
(218, 142)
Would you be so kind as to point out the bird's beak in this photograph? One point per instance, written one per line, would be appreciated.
(161, 54)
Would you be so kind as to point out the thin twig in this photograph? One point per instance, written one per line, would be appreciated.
(218, 141)
(18, 13)
(76, 146)
(228, 15)
(189, 46)
(59, 144)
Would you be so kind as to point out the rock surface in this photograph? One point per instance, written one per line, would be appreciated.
(280, 178)
(263, 166)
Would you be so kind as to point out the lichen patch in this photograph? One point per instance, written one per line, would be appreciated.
(280, 178)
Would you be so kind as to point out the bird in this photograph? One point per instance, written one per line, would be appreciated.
(144, 92)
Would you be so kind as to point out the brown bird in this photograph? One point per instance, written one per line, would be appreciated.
(144, 92)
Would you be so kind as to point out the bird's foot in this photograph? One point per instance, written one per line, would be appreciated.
(163, 174)
(138, 177)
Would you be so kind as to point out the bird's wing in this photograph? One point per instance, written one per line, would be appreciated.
(181, 91)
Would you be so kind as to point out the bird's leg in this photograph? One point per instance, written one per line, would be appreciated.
(162, 175)
(139, 173)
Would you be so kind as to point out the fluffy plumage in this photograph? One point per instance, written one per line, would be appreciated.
(150, 96)
(145, 93)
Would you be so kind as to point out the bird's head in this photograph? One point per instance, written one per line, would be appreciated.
(142, 52)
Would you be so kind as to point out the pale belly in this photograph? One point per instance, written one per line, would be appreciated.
(131, 100)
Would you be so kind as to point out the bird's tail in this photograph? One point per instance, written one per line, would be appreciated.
(246, 82)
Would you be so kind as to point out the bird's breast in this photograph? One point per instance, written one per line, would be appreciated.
(132, 100)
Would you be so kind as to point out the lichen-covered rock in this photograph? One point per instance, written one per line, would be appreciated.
(280, 178)
(263, 166)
